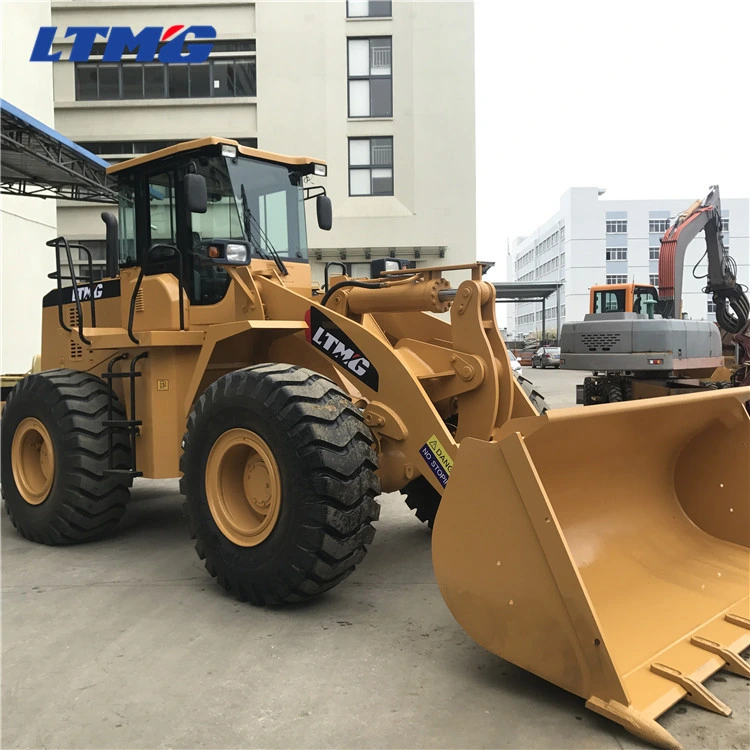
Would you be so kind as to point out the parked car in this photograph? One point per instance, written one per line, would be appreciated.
(546, 356)
(515, 365)
(525, 355)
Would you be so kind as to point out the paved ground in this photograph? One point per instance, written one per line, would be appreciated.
(129, 644)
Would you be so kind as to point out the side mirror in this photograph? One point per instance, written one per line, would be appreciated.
(196, 194)
(325, 212)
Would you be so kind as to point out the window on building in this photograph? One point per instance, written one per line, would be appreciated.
(368, 8)
(219, 77)
(653, 279)
(371, 166)
(217, 45)
(617, 253)
(711, 305)
(617, 278)
(617, 226)
(725, 224)
(370, 77)
(658, 226)
(115, 151)
(653, 253)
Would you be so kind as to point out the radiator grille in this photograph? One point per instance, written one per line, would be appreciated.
(600, 342)
(76, 350)
(139, 306)
(72, 317)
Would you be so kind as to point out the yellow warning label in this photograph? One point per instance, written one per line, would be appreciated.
(162, 385)
(440, 453)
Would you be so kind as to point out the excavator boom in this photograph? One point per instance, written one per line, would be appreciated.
(732, 305)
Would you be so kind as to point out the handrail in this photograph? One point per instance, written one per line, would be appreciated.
(76, 292)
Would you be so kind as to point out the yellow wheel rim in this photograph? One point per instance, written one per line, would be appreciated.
(243, 487)
(33, 461)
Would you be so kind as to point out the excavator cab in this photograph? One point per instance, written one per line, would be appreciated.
(620, 298)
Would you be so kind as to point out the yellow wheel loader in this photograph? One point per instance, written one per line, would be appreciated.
(570, 542)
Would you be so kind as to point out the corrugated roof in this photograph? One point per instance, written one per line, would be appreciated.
(38, 161)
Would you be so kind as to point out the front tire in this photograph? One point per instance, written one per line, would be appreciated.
(279, 483)
(55, 453)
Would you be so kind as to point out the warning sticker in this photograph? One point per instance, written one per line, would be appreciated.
(437, 459)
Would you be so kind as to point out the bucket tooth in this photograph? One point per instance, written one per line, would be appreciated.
(735, 663)
(635, 722)
(696, 693)
(738, 620)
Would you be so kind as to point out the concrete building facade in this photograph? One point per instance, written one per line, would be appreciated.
(26, 223)
(384, 92)
(592, 240)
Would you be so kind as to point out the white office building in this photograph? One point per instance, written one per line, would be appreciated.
(383, 91)
(25, 223)
(592, 240)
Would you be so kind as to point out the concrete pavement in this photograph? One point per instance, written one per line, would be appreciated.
(128, 643)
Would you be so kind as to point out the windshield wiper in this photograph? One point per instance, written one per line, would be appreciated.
(250, 221)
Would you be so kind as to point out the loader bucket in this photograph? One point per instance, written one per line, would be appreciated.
(607, 550)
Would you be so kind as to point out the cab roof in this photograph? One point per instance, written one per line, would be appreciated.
(211, 141)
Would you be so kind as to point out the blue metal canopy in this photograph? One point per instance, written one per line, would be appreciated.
(38, 161)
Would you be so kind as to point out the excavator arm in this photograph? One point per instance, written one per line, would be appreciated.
(732, 305)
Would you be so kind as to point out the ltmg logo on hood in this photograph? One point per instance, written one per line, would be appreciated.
(325, 335)
(170, 45)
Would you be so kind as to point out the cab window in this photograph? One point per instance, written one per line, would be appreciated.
(609, 300)
(162, 211)
(641, 295)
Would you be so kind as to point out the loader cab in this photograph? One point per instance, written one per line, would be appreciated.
(195, 208)
(619, 298)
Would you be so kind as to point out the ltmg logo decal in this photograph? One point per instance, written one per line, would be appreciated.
(437, 459)
(170, 45)
(326, 336)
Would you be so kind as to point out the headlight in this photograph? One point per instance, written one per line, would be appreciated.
(392, 265)
(229, 151)
(320, 169)
(236, 253)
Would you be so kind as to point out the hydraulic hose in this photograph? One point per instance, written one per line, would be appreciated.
(351, 282)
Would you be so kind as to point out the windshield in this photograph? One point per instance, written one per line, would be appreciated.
(641, 295)
(255, 201)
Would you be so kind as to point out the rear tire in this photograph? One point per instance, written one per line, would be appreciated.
(423, 498)
(590, 391)
(627, 390)
(55, 451)
(311, 529)
(614, 393)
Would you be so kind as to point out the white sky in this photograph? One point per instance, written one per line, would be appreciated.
(645, 99)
